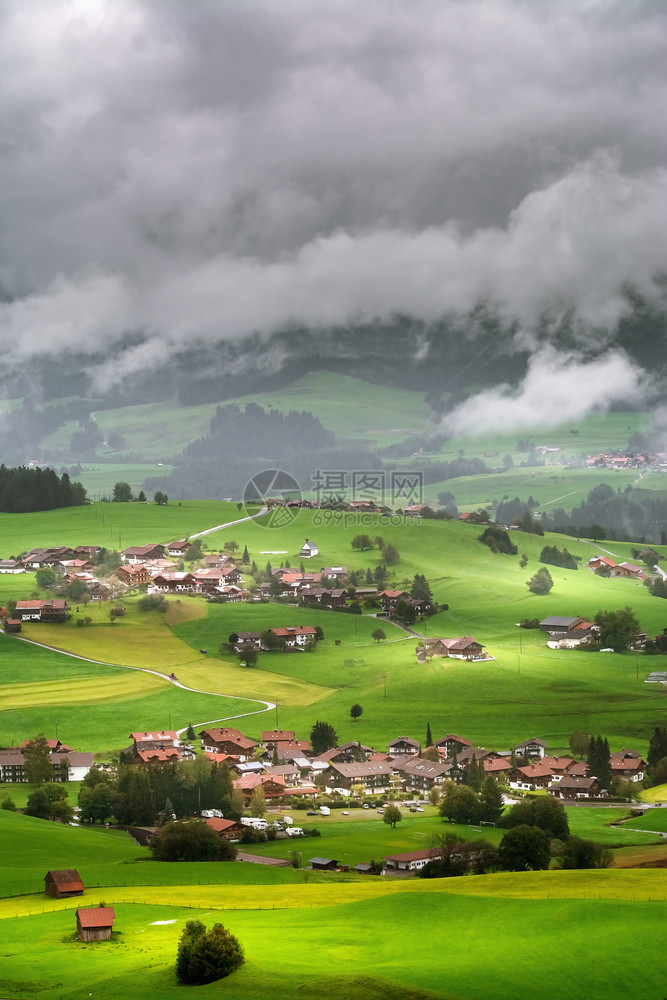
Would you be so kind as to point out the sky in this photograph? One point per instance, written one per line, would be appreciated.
(196, 171)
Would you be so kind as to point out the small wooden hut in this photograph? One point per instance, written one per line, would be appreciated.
(63, 884)
(95, 923)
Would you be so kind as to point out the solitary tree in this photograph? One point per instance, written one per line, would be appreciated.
(258, 801)
(37, 760)
(356, 711)
(231, 545)
(525, 848)
(122, 492)
(429, 738)
(46, 578)
(322, 737)
(618, 629)
(392, 816)
(391, 555)
(491, 799)
(579, 743)
(598, 761)
(247, 655)
(362, 542)
(378, 634)
(460, 804)
(206, 956)
(541, 582)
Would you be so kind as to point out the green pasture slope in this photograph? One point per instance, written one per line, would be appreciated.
(653, 819)
(525, 690)
(352, 408)
(112, 525)
(92, 706)
(319, 936)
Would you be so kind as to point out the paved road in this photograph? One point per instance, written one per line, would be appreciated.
(240, 520)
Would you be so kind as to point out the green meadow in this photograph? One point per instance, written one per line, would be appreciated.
(352, 408)
(112, 525)
(315, 935)
(358, 940)
(653, 819)
(526, 689)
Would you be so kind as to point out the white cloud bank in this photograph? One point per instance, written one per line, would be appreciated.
(558, 388)
(237, 167)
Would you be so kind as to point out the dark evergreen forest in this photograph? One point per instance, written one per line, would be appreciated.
(23, 490)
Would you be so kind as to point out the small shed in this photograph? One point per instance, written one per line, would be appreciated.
(323, 864)
(364, 868)
(95, 923)
(63, 883)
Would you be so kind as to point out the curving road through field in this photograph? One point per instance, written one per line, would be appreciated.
(268, 705)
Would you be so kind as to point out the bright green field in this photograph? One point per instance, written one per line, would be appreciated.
(526, 690)
(113, 525)
(653, 819)
(99, 479)
(352, 408)
(92, 706)
(656, 794)
(550, 487)
(360, 941)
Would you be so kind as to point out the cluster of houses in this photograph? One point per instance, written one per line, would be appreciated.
(219, 577)
(623, 460)
(152, 566)
(566, 632)
(624, 569)
(66, 764)
(285, 767)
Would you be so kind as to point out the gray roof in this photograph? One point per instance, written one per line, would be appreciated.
(429, 768)
(362, 769)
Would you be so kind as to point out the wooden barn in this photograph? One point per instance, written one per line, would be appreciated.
(63, 884)
(95, 923)
(323, 864)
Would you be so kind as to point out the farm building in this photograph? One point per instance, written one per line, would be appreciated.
(95, 923)
(323, 864)
(63, 883)
(410, 861)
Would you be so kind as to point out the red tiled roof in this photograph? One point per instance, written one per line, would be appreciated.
(288, 631)
(96, 916)
(220, 825)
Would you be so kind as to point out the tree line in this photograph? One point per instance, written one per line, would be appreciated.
(24, 490)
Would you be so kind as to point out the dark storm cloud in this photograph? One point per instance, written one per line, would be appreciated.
(235, 167)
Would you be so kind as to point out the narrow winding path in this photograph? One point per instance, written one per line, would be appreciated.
(268, 705)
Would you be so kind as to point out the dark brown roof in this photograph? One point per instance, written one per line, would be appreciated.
(67, 879)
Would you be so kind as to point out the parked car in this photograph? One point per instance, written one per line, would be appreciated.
(366, 805)
(380, 810)
(345, 812)
(311, 812)
(413, 809)
(420, 809)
